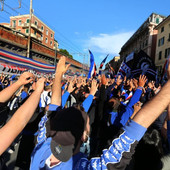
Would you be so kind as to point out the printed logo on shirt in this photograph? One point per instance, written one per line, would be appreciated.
(42, 129)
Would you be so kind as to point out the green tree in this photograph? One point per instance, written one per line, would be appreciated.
(65, 52)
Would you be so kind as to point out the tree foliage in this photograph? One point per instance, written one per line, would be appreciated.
(65, 52)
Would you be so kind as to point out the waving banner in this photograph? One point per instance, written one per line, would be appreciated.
(101, 65)
(126, 66)
(15, 64)
(143, 64)
(92, 70)
(136, 64)
(10, 69)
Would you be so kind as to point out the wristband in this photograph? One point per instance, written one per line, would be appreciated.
(139, 87)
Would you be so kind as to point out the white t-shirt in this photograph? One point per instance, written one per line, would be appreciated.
(44, 99)
(47, 163)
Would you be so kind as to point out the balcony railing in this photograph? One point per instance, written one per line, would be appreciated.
(36, 37)
(36, 27)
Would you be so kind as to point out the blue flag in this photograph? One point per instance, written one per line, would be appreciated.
(102, 63)
(92, 71)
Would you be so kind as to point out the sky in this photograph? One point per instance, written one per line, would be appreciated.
(103, 26)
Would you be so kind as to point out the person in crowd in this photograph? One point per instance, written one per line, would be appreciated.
(23, 114)
(45, 97)
(61, 132)
(109, 114)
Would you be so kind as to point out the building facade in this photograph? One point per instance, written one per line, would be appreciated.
(144, 38)
(39, 30)
(15, 42)
(163, 43)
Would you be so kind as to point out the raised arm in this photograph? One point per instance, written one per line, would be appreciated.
(56, 88)
(20, 118)
(7, 93)
(135, 98)
(88, 101)
(67, 93)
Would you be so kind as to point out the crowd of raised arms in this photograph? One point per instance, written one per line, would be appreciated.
(80, 124)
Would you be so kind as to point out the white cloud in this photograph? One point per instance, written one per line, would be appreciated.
(77, 33)
(108, 43)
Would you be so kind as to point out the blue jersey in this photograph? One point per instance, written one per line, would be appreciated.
(117, 155)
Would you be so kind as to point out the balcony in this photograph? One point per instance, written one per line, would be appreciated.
(36, 37)
(13, 27)
(25, 25)
(36, 27)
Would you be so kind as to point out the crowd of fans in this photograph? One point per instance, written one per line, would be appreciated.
(80, 123)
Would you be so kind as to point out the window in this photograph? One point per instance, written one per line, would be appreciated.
(143, 45)
(51, 35)
(169, 37)
(162, 29)
(27, 31)
(167, 52)
(146, 42)
(140, 46)
(36, 23)
(41, 36)
(46, 40)
(14, 23)
(35, 32)
(161, 41)
(160, 55)
(157, 20)
(19, 23)
(28, 20)
(42, 28)
(46, 32)
(51, 43)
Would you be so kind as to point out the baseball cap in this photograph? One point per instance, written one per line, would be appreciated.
(66, 128)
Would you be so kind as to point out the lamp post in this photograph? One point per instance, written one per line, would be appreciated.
(29, 34)
(55, 57)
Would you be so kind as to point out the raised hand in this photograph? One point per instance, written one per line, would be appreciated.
(119, 80)
(135, 82)
(40, 84)
(61, 65)
(94, 87)
(103, 80)
(142, 80)
(71, 86)
(131, 84)
(25, 78)
(56, 88)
